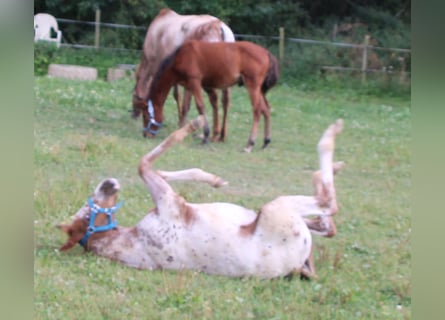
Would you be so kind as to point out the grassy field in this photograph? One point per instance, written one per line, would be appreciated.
(83, 133)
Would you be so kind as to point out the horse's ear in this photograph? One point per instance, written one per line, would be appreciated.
(65, 228)
(71, 242)
(75, 233)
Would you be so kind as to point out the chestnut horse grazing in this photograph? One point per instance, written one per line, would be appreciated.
(198, 64)
(215, 238)
(166, 32)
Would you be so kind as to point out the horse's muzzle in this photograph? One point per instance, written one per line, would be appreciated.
(135, 113)
(152, 128)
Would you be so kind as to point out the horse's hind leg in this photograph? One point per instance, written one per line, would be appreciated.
(267, 122)
(323, 181)
(257, 109)
(326, 147)
(193, 174)
(322, 226)
(308, 269)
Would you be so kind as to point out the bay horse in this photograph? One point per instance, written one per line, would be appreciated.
(216, 238)
(166, 32)
(197, 64)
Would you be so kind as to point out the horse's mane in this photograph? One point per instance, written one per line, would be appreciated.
(166, 62)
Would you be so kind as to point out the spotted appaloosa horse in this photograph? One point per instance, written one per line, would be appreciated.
(166, 32)
(215, 238)
(198, 64)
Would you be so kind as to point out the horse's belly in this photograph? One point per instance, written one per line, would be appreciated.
(220, 78)
(214, 244)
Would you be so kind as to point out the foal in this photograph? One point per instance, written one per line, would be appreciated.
(198, 64)
(215, 238)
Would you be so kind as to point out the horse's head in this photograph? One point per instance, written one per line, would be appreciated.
(140, 92)
(139, 105)
(151, 123)
(95, 218)
(142, 104)
(152, 120)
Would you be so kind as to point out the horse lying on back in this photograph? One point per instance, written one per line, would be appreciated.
(166, 32)
(215, 238)
(196, 65)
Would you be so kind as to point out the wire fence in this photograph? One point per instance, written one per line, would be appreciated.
(295, 53)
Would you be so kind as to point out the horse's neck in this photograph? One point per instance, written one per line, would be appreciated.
(126, 245)
(108, 243)
(160, 88)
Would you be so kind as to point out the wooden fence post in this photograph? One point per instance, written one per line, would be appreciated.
(97, 29)
(365, 58)
(402, 70)
(281, 45)
(334, 32)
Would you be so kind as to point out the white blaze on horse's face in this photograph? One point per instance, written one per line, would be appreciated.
(151, 109)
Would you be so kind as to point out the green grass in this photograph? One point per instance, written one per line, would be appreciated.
(84, 133)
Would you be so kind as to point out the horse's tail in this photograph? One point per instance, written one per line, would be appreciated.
(272, 74)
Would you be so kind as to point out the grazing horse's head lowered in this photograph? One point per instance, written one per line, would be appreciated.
(165, 33)
(216, 238)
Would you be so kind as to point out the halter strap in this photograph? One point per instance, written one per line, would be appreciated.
(152, 121)
(95, 209)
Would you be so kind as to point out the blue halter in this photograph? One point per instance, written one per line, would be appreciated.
(95, 209)
(152, 120)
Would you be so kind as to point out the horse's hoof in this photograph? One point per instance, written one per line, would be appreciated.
(149, 135)
(266, 142)
(220, 183)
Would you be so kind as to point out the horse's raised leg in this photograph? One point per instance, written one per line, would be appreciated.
(323, 181)
(161, 192)
(326, 147)
(322, 226)
(193, 174)
(226, 107)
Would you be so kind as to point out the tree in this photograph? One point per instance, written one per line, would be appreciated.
(261, 17)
